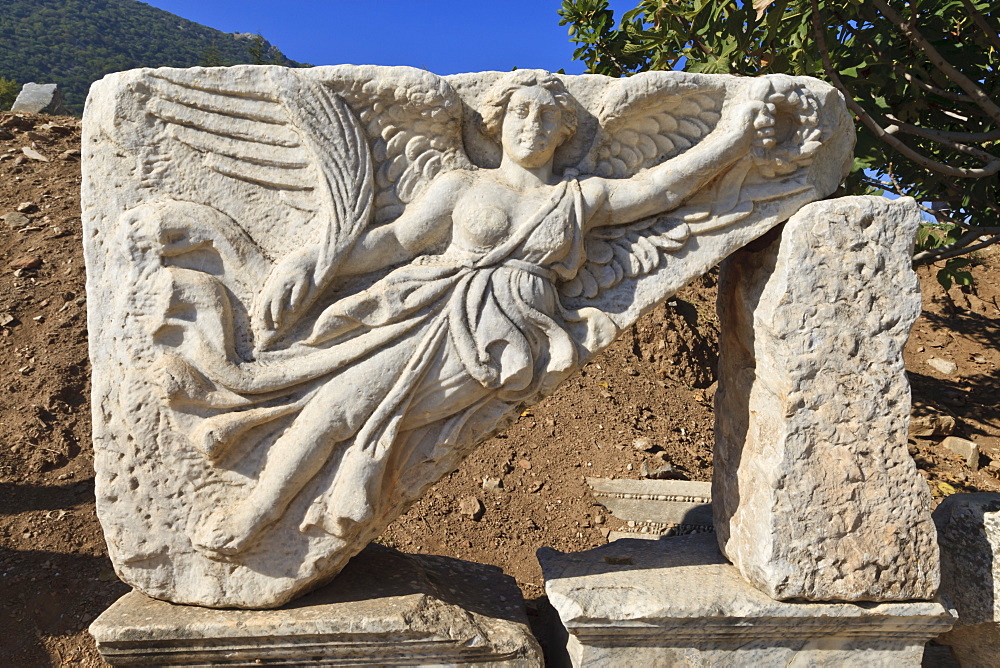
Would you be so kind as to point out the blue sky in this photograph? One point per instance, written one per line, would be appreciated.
(443, 36)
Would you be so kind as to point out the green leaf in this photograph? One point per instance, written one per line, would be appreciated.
(944, 278)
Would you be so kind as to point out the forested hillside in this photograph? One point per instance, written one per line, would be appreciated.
(75, 42)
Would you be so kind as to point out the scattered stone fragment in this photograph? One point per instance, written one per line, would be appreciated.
(6, 319)
(654, 508)
(964, 448)
(27, 207)
(947, 367)
(663, 472)
(472, 507)
(5, 134)
(33, 154)
(17, 122)
(927, 421)
(16, 220)
(978, 359)
(26, 263)
(56, 129)
(492, 485)
(38, 98)
(643, 444)
(525, 464)
(71, 154)
(968, 528)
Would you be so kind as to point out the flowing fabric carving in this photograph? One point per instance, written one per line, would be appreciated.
(389, 264)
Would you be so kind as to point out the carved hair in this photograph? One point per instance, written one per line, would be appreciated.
(494, 105)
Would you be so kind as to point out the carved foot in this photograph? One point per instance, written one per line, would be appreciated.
(229, 531)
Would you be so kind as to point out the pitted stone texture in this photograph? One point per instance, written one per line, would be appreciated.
(968, 528)
(386, 608)
(814, 493)
(313, 291)
(677, 602)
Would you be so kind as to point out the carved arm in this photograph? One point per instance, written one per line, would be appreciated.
(666, 186)
(425, 223)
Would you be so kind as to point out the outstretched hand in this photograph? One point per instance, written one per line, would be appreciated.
(755, 118)
(286, 290)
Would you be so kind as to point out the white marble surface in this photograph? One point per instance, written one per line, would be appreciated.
(814, 492)
(313, 291)
(386, 608)
(678, 602)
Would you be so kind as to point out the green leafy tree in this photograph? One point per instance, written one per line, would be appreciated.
(921, 78)
(262, 53)
(8, 92)
(212, 57)
(257, 50)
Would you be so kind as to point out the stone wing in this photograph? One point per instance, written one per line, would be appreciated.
(290, 139)
(413, 119)
(647, 120)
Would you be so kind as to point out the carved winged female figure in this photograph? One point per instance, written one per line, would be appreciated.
(429, 298)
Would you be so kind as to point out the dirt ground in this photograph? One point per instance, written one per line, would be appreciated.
(646, 400)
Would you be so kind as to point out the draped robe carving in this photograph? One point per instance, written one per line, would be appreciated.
(273, 386)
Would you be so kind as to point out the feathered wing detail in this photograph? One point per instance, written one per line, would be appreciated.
(414, 121)
(280, 133)
(647, 120)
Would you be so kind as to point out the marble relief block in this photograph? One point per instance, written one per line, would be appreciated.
(311, 292)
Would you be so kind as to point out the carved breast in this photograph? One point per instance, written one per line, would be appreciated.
(480, 226)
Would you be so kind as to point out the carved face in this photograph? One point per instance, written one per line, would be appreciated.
(532, 127)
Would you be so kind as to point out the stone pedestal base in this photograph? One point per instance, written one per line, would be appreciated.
(385, 608)
(680, 603)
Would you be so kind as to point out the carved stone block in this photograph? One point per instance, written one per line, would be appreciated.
(655, 508)
(814, 492)
(385, 608)
(677, 602)
(311, 292)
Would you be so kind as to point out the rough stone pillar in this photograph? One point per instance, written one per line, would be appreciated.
(969, 535)
(815, 495)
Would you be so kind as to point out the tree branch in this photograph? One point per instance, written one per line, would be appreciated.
(938, 216)
(944, 135)
(984, 25)
(919, 82)
(878, 130)
(917, 131)
(960, 247)
(928, 88)
(946, 68)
